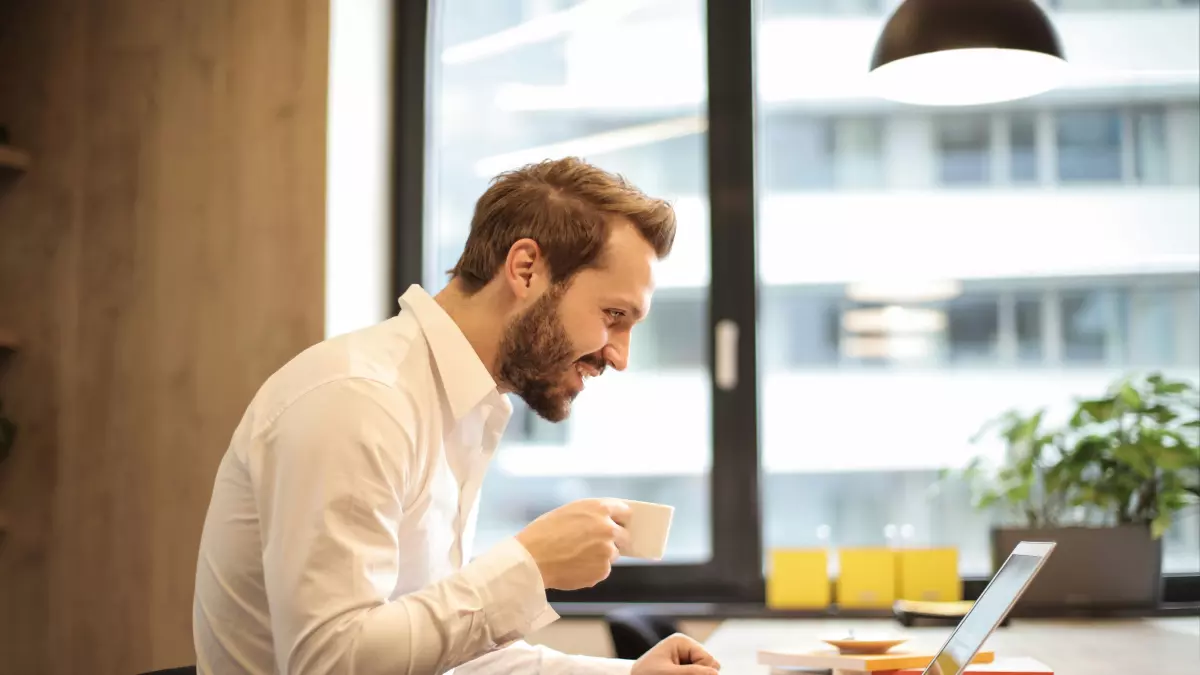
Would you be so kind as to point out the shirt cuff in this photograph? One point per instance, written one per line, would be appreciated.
(514, 596)
(564, 664)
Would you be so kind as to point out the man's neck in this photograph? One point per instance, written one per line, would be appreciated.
(478, 317)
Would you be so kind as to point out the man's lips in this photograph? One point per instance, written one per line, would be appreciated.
(588, 369)
(583, 371)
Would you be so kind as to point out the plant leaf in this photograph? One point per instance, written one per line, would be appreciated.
(1160, 524)
(1137, 458)
(1098, 410)
(1161, 414)
(1170, 388)
(1130, 397)
(1175, 457)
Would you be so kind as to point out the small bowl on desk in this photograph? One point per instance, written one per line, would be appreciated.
(864, 645)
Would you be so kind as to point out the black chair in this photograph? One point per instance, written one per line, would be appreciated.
(634, 632)
(182, 670)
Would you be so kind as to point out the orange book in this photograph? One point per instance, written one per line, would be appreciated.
(870, 663)
(1019, 666)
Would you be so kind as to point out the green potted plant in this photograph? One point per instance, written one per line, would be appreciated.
(1105, 484)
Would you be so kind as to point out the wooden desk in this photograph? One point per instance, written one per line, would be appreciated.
(1115, 647)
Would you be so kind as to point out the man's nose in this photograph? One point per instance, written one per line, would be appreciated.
(616, 352)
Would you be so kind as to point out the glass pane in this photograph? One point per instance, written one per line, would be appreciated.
(858, 153)
(800, 327)
(1090, 326)
(1029, 329)
(1152, 329)
(1184, 134)
(896, 319)
(1151, 165)
(974, 328)
(1022, 138)
(965, 149)
(784, 8)
(1089, 145)
(668, 339)
(797, 153)
(515, 82)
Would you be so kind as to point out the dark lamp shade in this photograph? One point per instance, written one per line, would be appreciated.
(966, 52)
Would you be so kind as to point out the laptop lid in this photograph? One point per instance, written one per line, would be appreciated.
(989, 610)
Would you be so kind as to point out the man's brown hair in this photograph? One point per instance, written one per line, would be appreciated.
(568, 207)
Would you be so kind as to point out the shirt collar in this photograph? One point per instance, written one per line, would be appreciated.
(464, 378)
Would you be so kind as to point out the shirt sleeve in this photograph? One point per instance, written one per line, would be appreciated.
(522, 658)
(334, 471)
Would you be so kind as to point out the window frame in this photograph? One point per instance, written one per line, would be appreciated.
(734, 572)
(734, 575)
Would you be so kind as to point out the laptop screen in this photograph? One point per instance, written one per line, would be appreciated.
(988, 611)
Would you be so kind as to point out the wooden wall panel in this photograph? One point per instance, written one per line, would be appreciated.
(163, 255)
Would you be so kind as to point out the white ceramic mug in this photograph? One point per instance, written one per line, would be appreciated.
(648, 527)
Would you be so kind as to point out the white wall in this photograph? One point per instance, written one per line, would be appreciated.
(358, 206)
(839, 237)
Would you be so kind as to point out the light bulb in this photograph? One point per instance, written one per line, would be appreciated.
(976, 76)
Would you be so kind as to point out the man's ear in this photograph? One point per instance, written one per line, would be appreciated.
(524, 268)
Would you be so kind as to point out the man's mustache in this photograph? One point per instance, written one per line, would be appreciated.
(596, 361)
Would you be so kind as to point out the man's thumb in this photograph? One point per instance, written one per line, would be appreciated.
(696, 670)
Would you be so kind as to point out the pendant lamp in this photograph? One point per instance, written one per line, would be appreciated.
(966, 52)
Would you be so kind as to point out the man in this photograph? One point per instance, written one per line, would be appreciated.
(338, 536)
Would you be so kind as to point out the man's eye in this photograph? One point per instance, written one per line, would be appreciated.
(616, 313)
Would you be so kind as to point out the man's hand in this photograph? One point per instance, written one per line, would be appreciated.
(575, 545)
(677, 655)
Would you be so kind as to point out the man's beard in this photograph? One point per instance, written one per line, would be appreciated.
(535, 357)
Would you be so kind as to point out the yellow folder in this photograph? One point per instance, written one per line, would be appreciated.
(928, 575)
(866, 578)
(798, 579)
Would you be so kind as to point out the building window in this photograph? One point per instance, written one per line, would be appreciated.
(1152, 330)
(858, 153)
(1102, 5)
(1184, 145)
(804, 328)
(526, 426)
(1151, 165)
(672, 336)
(1089, 146)
(807, 153)
(786, 8)
(964, 149)
(1089, 326)
(1022, 139)
(973, 328)
(1029, 328)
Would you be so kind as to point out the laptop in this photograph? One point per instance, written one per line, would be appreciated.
(996, 601)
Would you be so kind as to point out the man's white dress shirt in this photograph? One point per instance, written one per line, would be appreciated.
(338, 536)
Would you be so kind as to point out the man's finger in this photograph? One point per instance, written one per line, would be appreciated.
(689, 651)
(695, 670)
(618, 510)
(621, 537)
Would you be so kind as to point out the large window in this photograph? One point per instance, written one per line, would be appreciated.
(896, 275)
(1015, 255)
(513, 82)
(505, 94)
